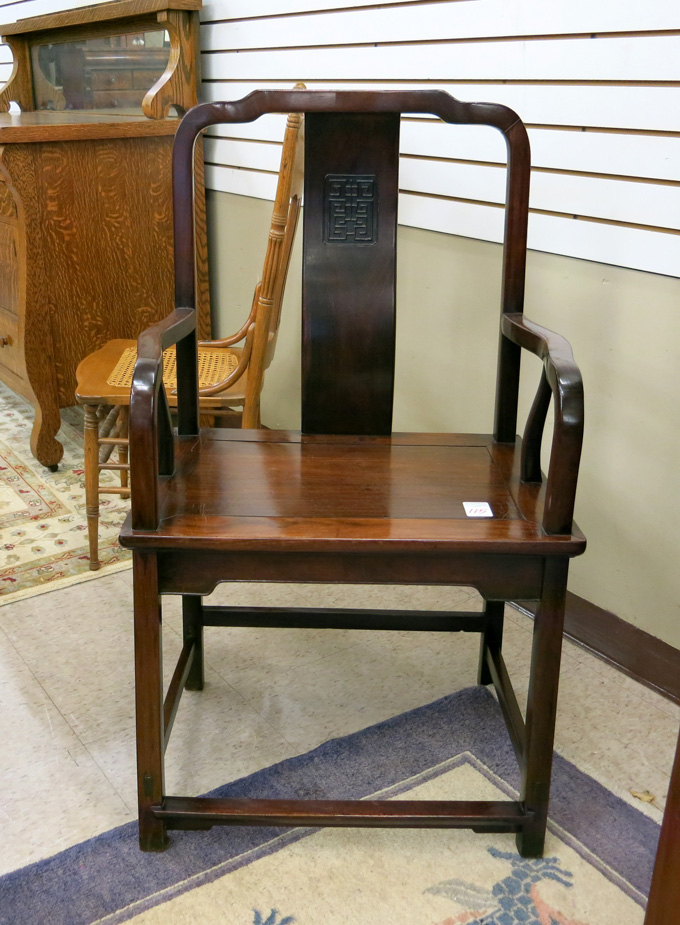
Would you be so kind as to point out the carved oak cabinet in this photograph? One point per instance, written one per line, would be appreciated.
(85, 193)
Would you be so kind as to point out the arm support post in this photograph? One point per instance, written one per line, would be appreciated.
(150, 443)
(563, 378)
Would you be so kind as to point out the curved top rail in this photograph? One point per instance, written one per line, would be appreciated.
(434, 102)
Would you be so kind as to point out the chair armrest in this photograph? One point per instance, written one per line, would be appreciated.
(158, 337)
(151, 442)
(562, 381)
(242, 331)
(235, 374)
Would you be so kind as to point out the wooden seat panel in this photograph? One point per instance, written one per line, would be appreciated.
(245, 489)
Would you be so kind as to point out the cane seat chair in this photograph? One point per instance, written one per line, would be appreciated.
(230, 377)
(346, 500)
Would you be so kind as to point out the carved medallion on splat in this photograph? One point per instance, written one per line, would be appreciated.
(351, 209)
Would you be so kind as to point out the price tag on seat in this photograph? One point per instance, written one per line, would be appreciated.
(477, 509)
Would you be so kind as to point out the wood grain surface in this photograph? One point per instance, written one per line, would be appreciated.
(107, 239)
(122, 9)
(397, 494)
(94, 258)
(79, 126)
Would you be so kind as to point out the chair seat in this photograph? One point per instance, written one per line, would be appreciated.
(254, 490)
(94, 372)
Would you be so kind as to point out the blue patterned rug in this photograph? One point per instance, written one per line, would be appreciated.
(596, 871)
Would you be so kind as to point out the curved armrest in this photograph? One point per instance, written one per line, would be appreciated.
(151, 446)
(242, 331)
(235, 374)
(158, 337)
(561, 378)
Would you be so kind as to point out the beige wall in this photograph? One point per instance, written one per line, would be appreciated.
(624, 327)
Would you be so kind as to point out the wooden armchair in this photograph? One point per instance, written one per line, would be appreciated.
(347, 501)
(230, 377)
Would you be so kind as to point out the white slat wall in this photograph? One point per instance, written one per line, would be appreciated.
(596, 81)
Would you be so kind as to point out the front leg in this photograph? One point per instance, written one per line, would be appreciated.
(149, 700)
(544, 677)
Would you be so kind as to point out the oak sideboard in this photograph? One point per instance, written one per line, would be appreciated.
(86, 241)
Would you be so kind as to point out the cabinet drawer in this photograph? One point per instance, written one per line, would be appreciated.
(115, 99)
(145, 79)
(9, 269)
(113, 79)
(9, 344)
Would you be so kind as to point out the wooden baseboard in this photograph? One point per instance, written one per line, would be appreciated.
(633, 651)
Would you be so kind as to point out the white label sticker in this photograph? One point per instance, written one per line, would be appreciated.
(477, 509)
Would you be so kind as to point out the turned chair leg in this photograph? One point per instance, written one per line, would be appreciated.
(123, 450)
(92, 482)
(149, 700)
(544, 676)
(492, 637)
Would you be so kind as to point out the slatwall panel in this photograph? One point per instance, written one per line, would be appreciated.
(598, 84)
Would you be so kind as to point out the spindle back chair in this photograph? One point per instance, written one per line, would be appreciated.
(231, 377)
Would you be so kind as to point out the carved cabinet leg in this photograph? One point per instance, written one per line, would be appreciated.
(46, 449)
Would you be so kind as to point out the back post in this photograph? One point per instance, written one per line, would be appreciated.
(185, 277)
(514, 276)
(349, 272)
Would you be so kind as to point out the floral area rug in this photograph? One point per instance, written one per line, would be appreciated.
(596, 869)
(43, 526)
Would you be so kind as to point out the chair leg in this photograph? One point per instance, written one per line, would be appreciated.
(542, 706)
(492, 637)
(149, 700)
(192, 618)
(123, 452)
(92, 482)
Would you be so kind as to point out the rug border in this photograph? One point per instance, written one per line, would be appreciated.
(465, 721)
(60, 583)
(71, 434)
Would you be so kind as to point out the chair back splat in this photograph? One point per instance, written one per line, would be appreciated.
(349, 281)
(347, 501)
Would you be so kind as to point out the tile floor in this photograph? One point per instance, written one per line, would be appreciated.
(67, 711)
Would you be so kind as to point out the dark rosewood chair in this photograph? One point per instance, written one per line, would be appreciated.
(347, 501)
